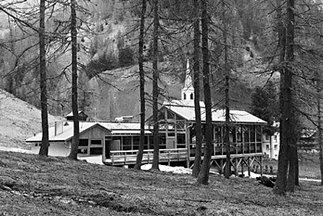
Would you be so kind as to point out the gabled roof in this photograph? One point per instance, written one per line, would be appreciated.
(186, 110)
(68, 130)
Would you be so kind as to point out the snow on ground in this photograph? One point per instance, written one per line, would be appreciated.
(164, 168)
(97, 159)
(20, 150)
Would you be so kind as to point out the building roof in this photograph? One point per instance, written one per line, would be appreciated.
(186, 110)
(68, 130)
(71, 113)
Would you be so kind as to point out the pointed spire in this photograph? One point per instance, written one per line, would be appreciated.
(188, 78)
(188, 90)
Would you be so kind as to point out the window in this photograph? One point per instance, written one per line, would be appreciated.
(267, 147)
(127, 143)
(96, 151)
(258, 133)
(181, 138)
(184, 96)
(96, 142)
(191, 96)
(136, 141)
(275, 147)
(267, 137)
(84, 142)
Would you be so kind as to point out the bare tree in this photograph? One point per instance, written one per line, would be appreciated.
(142, 85)
(203, 177)
(155, 164)
(286, 159)
(76, 136)
(227, 171)
(43, 79)
(196, 69)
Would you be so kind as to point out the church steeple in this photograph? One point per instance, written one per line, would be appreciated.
(187, 92)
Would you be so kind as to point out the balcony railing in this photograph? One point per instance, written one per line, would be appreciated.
(130, 156)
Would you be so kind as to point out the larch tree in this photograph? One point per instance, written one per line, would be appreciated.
(155, 93)
(196, 83)
(203, 177)
(287, 155)
(227, 170)
(142, 85)
(43, 79)
(76, 135)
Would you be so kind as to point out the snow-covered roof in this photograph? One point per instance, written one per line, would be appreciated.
(68, 130)
(186, 110)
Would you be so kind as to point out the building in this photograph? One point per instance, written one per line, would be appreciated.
(95, 137)
(118, 142)
(270, 146)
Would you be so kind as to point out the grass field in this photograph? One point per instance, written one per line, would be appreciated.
(31, 185)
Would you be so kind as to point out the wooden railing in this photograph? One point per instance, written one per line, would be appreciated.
(130, 156)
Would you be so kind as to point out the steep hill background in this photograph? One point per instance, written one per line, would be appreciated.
(18, 121)
(107, 57)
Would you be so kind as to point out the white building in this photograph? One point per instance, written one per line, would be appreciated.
(270, 146)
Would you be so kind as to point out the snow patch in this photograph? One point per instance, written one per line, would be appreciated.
(164, 168)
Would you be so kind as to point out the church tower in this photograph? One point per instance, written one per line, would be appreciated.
(187, 93)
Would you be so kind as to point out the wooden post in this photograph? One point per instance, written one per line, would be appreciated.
(249, 165)
(221, 164)
(261, 165)
(242, 170)
(187, 140)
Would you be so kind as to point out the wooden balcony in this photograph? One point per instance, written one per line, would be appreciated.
(128, 157)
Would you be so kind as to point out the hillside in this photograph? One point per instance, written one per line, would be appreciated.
(58, 186)
(18, 120)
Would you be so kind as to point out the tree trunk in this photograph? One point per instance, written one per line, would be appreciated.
(43, 80)
(319, 124)
(196, 69)
(291, 112)
(155, 164)
(203, 177)
(287, 156)
(142, 86)
(227, 171)
(76, 137)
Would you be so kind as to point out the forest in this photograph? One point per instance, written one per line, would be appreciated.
(102, 55)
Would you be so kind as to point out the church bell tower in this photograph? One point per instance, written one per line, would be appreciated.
(187, 93)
